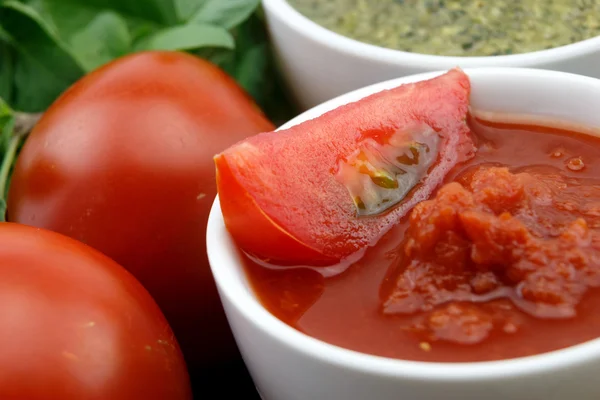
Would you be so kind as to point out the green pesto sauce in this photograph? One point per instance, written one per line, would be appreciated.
(458, 27)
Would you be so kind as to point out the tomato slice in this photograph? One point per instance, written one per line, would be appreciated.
(320, 191)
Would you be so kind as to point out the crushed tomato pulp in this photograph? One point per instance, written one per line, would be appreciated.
(501, 262)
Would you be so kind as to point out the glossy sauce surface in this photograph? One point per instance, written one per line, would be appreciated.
(353, 310)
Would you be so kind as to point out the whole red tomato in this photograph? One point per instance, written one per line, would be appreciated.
(123, 161)
(75, 325)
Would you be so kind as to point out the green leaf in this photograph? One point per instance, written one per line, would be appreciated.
(139, 30)
(187, 8)
(44, 68)
(252, 69)
(225, 13)
(252, 65)
(222, 58)
(14, 32)
(7, 121)
(255, 70)
(2, 210)
(252, 59)
(105, 38)
(159, 11)
(187, 37)
(4, 37)
(94, 37)
(5, 110)
(7, 71)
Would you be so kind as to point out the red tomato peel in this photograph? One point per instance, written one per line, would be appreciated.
(283, 198)
(123, 161)
(76, 325)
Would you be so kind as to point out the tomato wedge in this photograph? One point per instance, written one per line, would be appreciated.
(322, 190)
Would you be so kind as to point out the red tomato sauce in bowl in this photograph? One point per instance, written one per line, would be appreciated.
(503, 261)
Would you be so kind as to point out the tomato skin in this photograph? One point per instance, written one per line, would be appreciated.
(122, 161)
(76, 325)
(285, 184)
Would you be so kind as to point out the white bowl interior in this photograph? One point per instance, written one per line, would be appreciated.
(544, 94)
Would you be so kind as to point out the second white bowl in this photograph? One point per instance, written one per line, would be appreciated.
(319, 64)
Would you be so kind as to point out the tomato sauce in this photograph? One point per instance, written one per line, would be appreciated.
(503, 262)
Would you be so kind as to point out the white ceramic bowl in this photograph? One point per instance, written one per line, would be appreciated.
(318, 64)
(289, 365)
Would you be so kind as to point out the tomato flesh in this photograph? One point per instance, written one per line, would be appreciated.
(324, 189)
(76, 325)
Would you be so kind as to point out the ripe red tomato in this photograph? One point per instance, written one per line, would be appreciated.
(326, 188)
(123, 161)
(76, 325)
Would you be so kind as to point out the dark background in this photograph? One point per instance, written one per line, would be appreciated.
(227, 381)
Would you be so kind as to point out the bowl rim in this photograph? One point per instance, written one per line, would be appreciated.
(221, 251)
(317, 33)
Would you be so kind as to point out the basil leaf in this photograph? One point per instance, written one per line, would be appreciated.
(140, 29)
(44, 67)
(105, 38)
(252, 59)
(5, 111)
(255, 70)
(12, 12)
(187, 37)
(93, 37)
(7, 121)
(4, 37)
(252, 65)
(225, 13)
(7, 72)
(187, 8)
(222, 58)
(70, 17)
(158, 11)
(252, 69)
